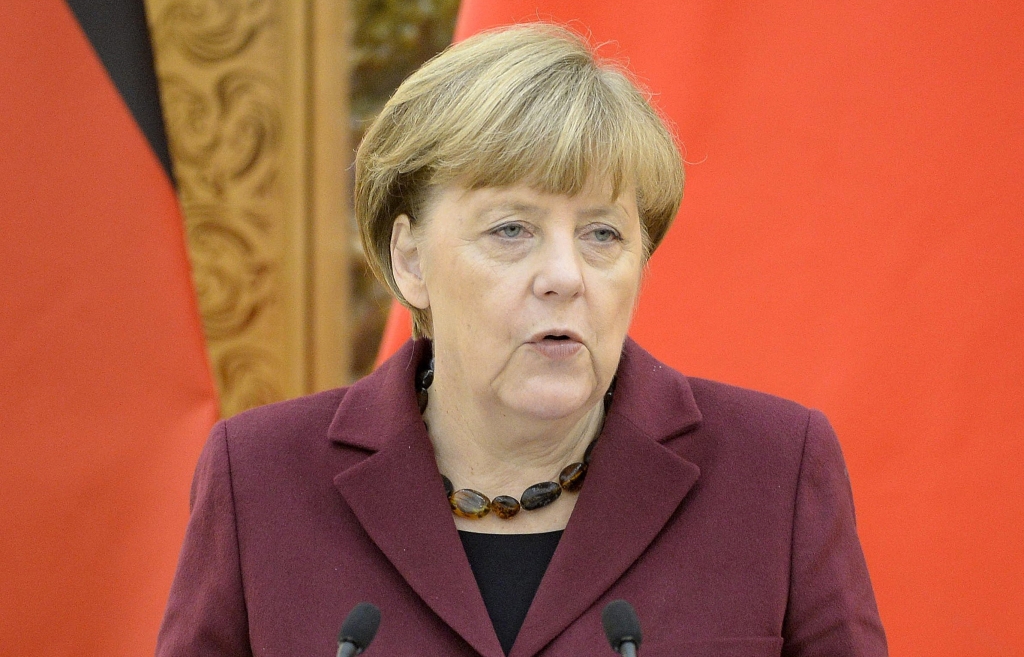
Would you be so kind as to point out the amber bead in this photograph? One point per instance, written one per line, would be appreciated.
(590, 450)
(504, 506)
(449, 488)
(539, 495)
(571, 477)
(421, 399)
(469, 503)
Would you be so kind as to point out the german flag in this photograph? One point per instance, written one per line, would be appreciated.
(105, 392)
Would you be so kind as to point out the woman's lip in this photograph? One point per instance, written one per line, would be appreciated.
(557, 349)
(540, 336)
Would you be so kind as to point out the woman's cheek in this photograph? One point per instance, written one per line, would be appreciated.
(504, 251)
(602, 255)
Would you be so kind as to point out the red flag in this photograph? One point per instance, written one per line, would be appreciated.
(851, 238)
(106, 394)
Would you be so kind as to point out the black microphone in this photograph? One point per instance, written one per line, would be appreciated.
(622, 627)
(358, 630)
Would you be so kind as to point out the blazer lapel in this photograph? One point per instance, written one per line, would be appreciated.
(397, 495)
(633, 487)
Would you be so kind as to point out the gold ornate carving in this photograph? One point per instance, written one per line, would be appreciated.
(212, 31)
(218, 66)
(252, 93)
(232, 277)
(224, 139)
(248, 373)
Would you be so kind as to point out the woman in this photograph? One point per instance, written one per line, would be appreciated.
(501, 478)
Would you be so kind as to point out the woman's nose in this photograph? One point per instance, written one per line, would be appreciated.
(559, 268)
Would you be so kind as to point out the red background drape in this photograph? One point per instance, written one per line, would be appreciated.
(852, 237)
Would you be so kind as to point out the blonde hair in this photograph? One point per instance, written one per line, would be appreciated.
(527, 104)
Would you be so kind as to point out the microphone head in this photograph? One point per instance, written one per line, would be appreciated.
(621, 624)
(360, 626)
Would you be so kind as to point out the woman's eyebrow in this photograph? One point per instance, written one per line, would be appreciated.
(510, 207)
(599, 211)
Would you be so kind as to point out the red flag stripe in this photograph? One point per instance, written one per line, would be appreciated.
(107, 395)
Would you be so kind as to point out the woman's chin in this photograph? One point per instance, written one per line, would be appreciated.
(549, 402)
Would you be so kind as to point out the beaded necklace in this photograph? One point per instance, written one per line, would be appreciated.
(469, 503)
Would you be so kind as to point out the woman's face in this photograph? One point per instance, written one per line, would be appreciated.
(531, 294)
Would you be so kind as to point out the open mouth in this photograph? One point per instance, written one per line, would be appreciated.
(556, 334)
(558, 346)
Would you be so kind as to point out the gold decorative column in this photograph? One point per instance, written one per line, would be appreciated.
(255, 97)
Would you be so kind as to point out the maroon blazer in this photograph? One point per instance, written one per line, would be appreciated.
(723, 515)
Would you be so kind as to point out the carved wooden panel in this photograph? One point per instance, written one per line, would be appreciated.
(256, 96)
(254, 93)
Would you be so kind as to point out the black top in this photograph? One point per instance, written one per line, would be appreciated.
(508, 569)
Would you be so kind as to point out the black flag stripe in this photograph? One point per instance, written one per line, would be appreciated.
(119, 34)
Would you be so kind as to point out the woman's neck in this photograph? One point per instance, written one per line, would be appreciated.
(497, 452)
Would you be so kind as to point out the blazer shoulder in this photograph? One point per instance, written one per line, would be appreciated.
(306, 416)
(752, 414)
(716, 394)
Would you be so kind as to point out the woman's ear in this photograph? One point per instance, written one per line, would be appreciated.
(406, 263)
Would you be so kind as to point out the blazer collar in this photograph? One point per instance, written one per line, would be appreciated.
(398, 496)
(382, 405)
(633, 486)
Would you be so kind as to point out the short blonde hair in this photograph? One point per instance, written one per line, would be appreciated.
(527, 104)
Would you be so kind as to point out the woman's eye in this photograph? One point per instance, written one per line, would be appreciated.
(604, 234)
(511, 231)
